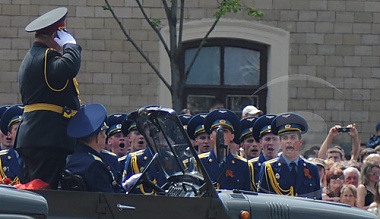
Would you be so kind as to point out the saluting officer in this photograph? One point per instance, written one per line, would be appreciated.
(10, 165)
(89, 127)
(49, 92)
(269, 143)
(196, 132)
(290, 174)
(232, 172)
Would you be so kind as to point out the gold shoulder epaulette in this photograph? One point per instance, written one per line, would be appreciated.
(272, 160)
(122, 158)
(253, 160)
(204, 155)
(136, 153)
(96, 157)
(240, 158)
(4, 152)
(109, 152)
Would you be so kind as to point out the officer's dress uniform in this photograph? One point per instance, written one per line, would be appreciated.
(279, 176)
(111, 161)
(10, 169)
(275, 177)
(136, 162)
(49, 93)
(233, 173)
(87, 125)
(88, 163)
(254, 167)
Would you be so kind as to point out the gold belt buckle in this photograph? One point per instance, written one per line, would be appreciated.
(67, 112)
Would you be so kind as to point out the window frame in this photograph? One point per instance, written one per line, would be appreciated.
(221, 91)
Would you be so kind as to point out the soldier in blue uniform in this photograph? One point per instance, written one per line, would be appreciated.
(49, 92)
(119, 143)
(233, 171)
(196, 132)
(251, 147)
(290, 174)
(185, 119)
(10, 165)
(89, 127)
(269, 143)
(137, 161)
(117, 140)
(3, 140)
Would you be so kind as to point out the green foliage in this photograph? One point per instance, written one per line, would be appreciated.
(106, 8)
(254, 12)
(228, 6)
(155, 22)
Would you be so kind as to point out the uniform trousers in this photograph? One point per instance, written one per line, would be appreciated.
(45, 163)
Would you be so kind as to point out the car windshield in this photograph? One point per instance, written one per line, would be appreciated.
(166, 137)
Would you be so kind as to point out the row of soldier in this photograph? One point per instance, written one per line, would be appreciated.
(110, 151)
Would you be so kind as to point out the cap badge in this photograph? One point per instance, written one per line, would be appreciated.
(286, 115)
(222, 121)
(288, 126)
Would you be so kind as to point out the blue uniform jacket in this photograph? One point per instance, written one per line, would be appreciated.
(275, 177)
(254, 167)
(232, 174)
(10, 166)
(87, 163)
(112, 163)
(136, 162)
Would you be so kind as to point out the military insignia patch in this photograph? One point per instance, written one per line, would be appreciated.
(229, 173)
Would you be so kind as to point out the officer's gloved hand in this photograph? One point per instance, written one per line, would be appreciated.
(131, 181)
(63, 37)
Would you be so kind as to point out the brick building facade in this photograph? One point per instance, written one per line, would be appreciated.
(323, 58)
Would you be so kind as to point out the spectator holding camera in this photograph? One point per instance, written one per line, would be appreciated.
(335, 131)
(375, 139)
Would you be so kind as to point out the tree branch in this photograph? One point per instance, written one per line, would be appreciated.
(156, 30)
(136, 46)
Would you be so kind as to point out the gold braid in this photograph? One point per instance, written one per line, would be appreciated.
(16, 180)
(46, 80)
(252, 170)
(75, 81)
(135, 169)
(270, 177)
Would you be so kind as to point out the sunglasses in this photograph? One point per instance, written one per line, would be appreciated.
(337, 176)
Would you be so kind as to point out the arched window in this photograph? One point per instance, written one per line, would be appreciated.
(226, 69)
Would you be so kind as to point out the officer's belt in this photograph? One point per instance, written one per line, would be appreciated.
(64, 111)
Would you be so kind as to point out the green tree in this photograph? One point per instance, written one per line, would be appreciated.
(174, 10)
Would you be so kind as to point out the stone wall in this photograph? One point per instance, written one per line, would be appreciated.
(333, 42)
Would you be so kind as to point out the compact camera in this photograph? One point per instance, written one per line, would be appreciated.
(344, 129)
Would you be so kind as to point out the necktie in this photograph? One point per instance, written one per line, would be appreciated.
(293, 170)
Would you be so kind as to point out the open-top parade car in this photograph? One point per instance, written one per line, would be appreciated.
(187, 193)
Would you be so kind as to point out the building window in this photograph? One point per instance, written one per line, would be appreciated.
(229, 70)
